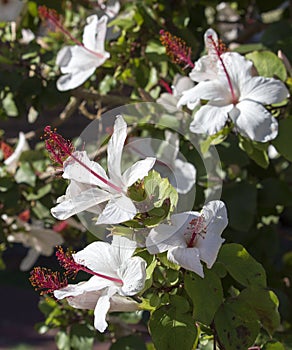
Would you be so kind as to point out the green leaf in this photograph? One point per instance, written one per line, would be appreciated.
(274, 345)
(242, 266)
(131, 342)
(171, 328)
(256, 151)
(206, 294)
(241, 213)
(265, 303)
(282, 141)
(25, 174)
(268, 64)
(236, 325)
(41, 192)
(63, 341)
(82, 336)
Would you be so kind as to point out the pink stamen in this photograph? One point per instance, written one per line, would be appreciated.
(52, 16)
(196, 227)
(60, 149)
(176, 48)
(166, 86)
(219, 51)
(72, 268)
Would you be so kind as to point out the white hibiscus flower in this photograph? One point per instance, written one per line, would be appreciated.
(116, 275)
(79, 62)
(191, 237)
(233, 93)
(91, 189)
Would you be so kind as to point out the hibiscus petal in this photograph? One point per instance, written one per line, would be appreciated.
(138, 171)
(101, 310)
(122, 249)
(114, 150)
(188, 258)
(215, 215)
(88, 199)
(29, 260)
(185, 176)
(255, 122)
(95, 283)
(99, 257)
(164, 237)
(133, 274)
(119, 209)
(264, 90)
(94, 33)
(210, 119)
(119, 303)
(80, 168)
(86, 300)
(12, 161)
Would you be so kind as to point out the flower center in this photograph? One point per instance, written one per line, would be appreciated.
(176, 48)
(218, 51)
(61, 149)
(196, 227)
(53, 17)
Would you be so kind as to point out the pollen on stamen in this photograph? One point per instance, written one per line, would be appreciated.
(66, 260)
(218, 46)
(47, 281)
(197, 227)
(59, 149)
(176, 49)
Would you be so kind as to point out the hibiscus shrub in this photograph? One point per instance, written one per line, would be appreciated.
(167, 202)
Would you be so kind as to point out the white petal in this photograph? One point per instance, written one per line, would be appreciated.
(238, 67)
(164, 237)
(185, 176)
(138, 171)
(119, 303)
(211, 41)
(80, 168)
(94, 33)
(205, 69)
(264, 90)
(100, 312)
(86, 300)
(119, 209)
(188, 258)
(170, 147)
(180, 84)
(29, 260)
(114, 150)
(99, 257)
(256, 122)
(12, 161)
(210, 119)
(133, 274)
(122, 249)
(215, 215)
(95, 283)
(89, 199)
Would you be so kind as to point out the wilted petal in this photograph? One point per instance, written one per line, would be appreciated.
(256, 122)
(188, 258)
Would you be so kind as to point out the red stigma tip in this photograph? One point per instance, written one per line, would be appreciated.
(66, 260)
(46, 13)
(58, 148)
(176, 48)
(196, 227)
(46, 281)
